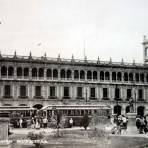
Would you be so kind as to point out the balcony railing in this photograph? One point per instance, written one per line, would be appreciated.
(92, 98)
(105, 98)
(23, 97)
(66, 97)
(117, 99)
(80, 98)
(38, 97)
(52, 97)
(8, 97)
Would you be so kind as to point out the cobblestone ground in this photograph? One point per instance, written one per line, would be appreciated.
(131, 139)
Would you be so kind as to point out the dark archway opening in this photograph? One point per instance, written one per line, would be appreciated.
(38, 106)
(127, 109)
(117, 110)
(140, 111)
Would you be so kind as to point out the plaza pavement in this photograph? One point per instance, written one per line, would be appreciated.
(131, 131)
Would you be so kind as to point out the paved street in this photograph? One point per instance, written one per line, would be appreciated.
(131, 131)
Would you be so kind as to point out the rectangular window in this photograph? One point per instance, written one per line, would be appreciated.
(117, 93)
(79, 92)
(140, 94)
(92, 92)
(38, 91)
(52, 91)
(66, 92)
(129, 93)
(105, 93)
(22, 91)
(7, 91)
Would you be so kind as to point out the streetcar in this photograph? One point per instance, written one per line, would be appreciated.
(76, 112)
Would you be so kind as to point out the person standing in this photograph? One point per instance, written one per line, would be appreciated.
(20, 122)
(45, 121)
(70, 122)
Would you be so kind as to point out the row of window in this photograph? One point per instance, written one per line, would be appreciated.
(66, 92)
(76, 74)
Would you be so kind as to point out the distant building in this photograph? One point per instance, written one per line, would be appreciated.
(42, 81)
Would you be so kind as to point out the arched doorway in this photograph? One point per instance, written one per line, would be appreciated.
(117, 109)
(140, 110)
(38, 106)
(127, 109)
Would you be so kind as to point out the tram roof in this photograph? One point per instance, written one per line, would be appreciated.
(54, 107)
(15, 108)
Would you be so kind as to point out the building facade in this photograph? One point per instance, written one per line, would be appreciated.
(42, 81)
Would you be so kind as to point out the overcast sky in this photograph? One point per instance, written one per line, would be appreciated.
(105, 28)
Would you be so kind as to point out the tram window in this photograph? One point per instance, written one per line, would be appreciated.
(86, 111)
(72, 112)
(77, 113)
(65, 112)
(82, 112)
(95, 111)
(69, 112)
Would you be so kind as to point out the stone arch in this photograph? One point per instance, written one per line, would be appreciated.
(117, 109)
(137, 77)
(130, 77)
(63, 75)
(114, 76)
(140, 110)
(55, 73)
(10, 71)
(69, 76)
(34, 72)
(4, 71)
(107, 76)
(119, 76)
(19, 71)
(127, 109)
(89, 75)
(41, 72)
(95, 75)
(102, 75)
(82, 74)
(76, 74)
(38, 106)
(26, 72)
(142, 77)
(125, 76)
(49, 73)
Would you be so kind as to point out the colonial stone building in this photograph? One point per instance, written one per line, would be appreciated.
(42, 81)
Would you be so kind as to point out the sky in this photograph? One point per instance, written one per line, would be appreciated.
(96, 28)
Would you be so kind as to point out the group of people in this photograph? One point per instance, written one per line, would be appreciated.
(34, 122)
(142, 124)
(119, 124)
